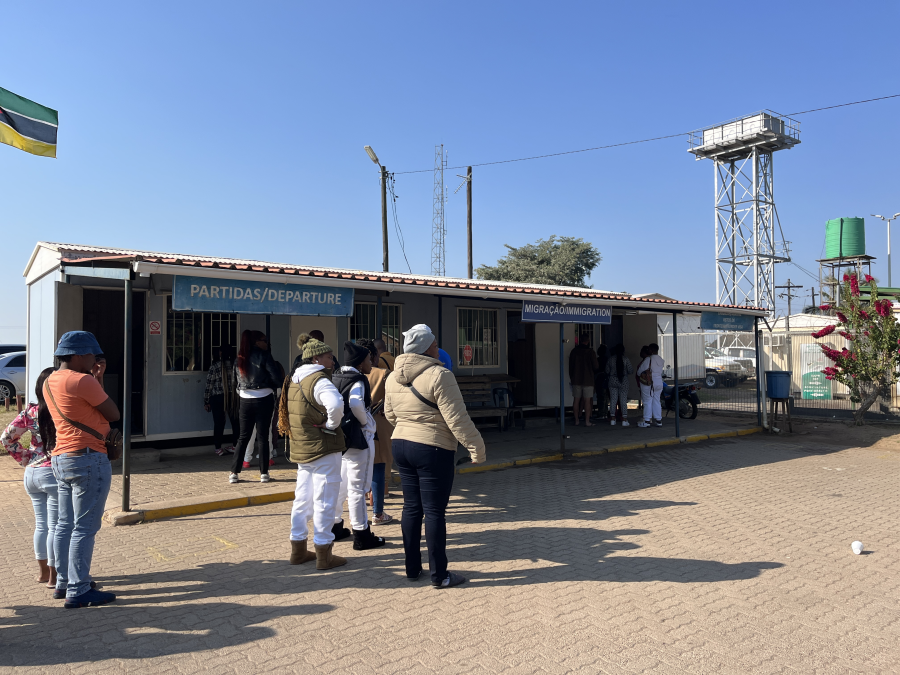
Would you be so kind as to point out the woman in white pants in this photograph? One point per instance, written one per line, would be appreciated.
(650, 393)
(359, 434)
(309, 415)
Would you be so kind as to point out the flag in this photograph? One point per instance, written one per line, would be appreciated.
(27, 125)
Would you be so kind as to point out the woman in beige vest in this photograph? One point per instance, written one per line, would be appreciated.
(309, 415)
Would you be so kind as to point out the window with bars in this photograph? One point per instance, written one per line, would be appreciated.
(193, 339)
(477, 330)
(363, 325)
(584, 329)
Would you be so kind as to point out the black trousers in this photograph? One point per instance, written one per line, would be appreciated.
(255, 412)
(217, 407)
(427, 476)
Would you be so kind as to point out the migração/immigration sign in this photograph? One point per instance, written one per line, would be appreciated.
(556, 312)
(230, 296)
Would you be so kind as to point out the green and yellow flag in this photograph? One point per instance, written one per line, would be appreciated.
(27, 125)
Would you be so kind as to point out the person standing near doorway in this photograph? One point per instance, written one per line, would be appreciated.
(601, 384)
(77, 402)
(309, 415)
(217, 400)
(423, 402)
(257, 380)
(619, 370)
(359, 435)
(650, 374)
(384, 460)
(385, 358)
(582, 367)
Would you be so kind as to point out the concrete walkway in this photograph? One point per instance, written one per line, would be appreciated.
(190, 481)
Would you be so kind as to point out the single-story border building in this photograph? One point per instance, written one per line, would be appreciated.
(183, 307)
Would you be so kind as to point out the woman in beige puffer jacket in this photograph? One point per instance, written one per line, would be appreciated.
(423, 402)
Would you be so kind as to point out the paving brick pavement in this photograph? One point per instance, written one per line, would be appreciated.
(728, 556)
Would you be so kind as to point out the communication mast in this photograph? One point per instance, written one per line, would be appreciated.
(749, 238)
(438, 229)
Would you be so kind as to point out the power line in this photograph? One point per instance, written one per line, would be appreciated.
(390, 186)
(805, 271)
(643, 140)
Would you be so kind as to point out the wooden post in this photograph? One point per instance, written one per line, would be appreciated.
(469, 217)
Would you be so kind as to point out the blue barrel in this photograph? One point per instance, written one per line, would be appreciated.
(778, 384)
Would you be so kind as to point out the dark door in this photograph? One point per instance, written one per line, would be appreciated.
(614, 333)
(521, 358)
(104, 316)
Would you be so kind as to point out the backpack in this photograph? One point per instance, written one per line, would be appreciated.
(647, 377)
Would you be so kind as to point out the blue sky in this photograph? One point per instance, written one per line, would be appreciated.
(238, 130)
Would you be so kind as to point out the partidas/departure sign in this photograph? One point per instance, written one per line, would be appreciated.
(230, 296)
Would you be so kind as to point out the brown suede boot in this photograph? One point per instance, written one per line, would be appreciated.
(299, 554)
(325, 559)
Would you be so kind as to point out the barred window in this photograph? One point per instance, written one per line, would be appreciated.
(194, 338)
(584, 329)
(362, 324)
(477, 330)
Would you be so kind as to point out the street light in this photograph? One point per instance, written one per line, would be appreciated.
(384, 229)
(888, 221)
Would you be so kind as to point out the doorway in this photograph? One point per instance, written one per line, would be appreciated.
(520, 355)
(104, 316)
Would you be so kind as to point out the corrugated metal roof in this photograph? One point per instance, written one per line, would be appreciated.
(74, 253)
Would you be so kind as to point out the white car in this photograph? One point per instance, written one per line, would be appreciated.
(12, 375)
(723, 370)
(743, 355)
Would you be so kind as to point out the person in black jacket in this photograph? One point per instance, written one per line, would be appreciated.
(359, 434)
(257, 379)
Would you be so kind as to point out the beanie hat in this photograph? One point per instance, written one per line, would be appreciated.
(310, 347)
(354, 354)
(417, 339)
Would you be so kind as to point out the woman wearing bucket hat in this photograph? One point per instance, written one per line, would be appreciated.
(309, 415)
(80, 464)
(424, 404)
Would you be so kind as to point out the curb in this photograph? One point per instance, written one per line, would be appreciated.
(186, 507)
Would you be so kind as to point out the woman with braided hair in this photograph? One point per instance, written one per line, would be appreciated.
(309, 416)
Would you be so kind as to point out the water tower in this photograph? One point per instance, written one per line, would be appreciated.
(749, 239)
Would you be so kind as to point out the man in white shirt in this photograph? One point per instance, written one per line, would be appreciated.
(359, 433)
(650, 393)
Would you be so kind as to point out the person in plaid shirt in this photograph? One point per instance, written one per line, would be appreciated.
(219, 399)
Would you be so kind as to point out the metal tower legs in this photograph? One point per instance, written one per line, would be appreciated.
(749, 240)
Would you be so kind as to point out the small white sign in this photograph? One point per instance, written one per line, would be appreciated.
(155, 328)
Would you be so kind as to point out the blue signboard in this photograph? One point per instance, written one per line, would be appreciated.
(230, 296)
(732, 322)
(555, 312)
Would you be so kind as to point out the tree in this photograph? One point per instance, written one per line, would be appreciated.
(557, 261)
(869, 366)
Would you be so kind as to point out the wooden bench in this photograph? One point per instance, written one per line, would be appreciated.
(477, 393)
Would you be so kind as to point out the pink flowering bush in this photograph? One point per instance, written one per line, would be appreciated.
(870, 367)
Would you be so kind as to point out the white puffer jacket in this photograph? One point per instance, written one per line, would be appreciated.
(418, 422)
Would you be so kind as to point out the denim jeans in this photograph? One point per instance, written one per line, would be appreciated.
(83, 487)
(427, 476)
(378, 471)
(40, 484)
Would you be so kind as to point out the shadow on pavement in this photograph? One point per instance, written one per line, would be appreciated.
(126, 631)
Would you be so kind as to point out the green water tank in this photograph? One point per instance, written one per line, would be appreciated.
(845, 237)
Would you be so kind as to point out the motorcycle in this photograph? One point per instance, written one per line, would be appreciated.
(688, 400)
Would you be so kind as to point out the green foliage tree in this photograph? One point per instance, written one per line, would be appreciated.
(557, 261)
(869, 366)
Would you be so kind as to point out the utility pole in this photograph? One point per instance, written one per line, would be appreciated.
(812, 289)
(469, 217)
(789, 295)
(384, 228)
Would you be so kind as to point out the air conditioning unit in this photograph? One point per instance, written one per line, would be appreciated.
(773, 340)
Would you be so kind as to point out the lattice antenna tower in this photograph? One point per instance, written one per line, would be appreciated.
(749, 238)
(438, 228)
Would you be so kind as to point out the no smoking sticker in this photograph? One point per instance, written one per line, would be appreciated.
(155, 328)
